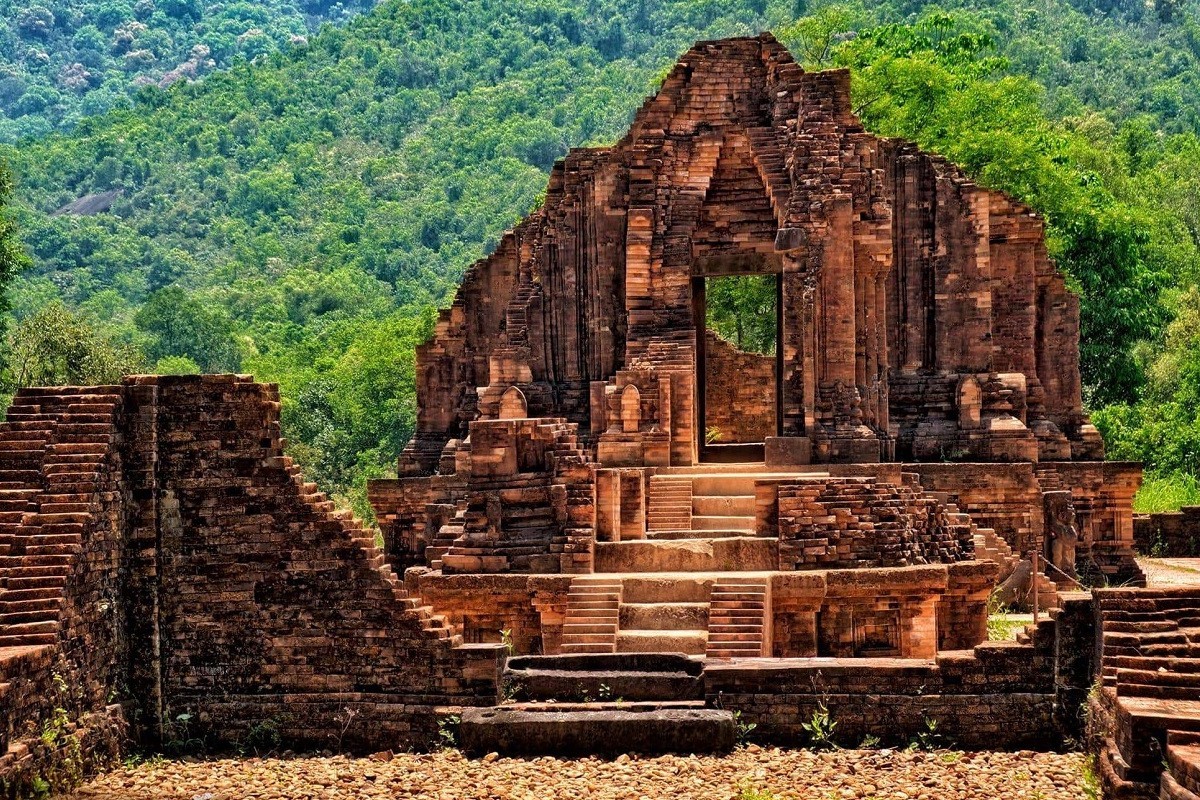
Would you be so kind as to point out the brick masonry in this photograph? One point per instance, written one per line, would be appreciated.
(1168, 534)
(197, 588)
(164, 568)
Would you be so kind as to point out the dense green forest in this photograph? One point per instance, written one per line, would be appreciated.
(302, 216)
(61, 60)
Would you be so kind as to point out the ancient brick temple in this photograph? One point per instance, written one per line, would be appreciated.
(753, 416)
(915, 433)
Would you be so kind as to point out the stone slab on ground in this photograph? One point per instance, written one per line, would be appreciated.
(585, 728)
(791, 774)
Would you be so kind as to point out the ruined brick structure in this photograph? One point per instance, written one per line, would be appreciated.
(923, 397)
(917, 434)
(166, 575)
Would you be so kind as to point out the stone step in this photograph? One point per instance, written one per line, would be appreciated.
(664, 534)
(596, 729)
(664, 616)
(588, 631)
(723, 505)
(687, 642)
(685, 588)
(723, 485)
(743, 553)
(703, 523)
(21, 581)
(625, 676)
(27, 640)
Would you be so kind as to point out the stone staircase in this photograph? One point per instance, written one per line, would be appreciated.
(53, 444)
(593, 614)
(1181, 777)
(990, 546)
(664, 614)
(600, 705)
(698, 520)
(669, 504)
(738, 617)
(1150, 678)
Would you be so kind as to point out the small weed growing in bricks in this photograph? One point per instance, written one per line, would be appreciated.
(744, 729)
(820, 728)
(448, 730)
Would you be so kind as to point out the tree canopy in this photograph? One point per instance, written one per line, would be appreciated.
(300, 214)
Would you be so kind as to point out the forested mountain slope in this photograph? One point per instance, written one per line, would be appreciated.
(301, 217)
(61, 60)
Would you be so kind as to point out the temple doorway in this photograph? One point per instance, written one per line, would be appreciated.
(738, 355)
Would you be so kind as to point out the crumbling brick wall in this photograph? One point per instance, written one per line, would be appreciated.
(171, 565)
(864, 522)
(739, 392)
(274, 608)
(1168, 534)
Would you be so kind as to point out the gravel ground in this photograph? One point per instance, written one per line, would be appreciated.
(750, 773)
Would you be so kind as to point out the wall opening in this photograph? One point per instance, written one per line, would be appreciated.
(737, 321)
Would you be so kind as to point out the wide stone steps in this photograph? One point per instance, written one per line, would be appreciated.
(1181, 779)
(688, 642)
(730, 554)
(600, 728)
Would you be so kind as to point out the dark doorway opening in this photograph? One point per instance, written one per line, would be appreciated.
(739, 364)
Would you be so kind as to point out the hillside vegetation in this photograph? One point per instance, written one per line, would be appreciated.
(300, 218)
(61, 60)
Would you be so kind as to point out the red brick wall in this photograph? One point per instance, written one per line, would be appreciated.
(203, 577)
(1169, 534)
(739, 392)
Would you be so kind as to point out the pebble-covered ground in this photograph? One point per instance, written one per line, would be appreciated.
(750, 773)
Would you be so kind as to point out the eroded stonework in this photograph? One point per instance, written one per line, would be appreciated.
(921, 407)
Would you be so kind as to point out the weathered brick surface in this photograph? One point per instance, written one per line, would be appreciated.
(922, 316)
(164, 555)
(740, 392)
(998, 696)
(1148, 693)
(864, 522)
(1168, 534)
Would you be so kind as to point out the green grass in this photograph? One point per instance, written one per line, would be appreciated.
(1167, 492)
(1004, 627)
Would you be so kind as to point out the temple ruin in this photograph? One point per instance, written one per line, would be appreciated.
(914, 432)
(754, 415)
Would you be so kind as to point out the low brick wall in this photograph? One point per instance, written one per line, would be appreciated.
(1000, 696)
(739, 392)
(1168, 534)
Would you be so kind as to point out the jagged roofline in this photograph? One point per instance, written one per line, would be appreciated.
(677, 81)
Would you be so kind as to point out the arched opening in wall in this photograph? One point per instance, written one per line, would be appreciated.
(738, 359)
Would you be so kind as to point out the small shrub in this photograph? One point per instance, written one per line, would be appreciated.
(448, 730)
(930, 738)
(747, 792)
(744, 729)
(821, 727)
